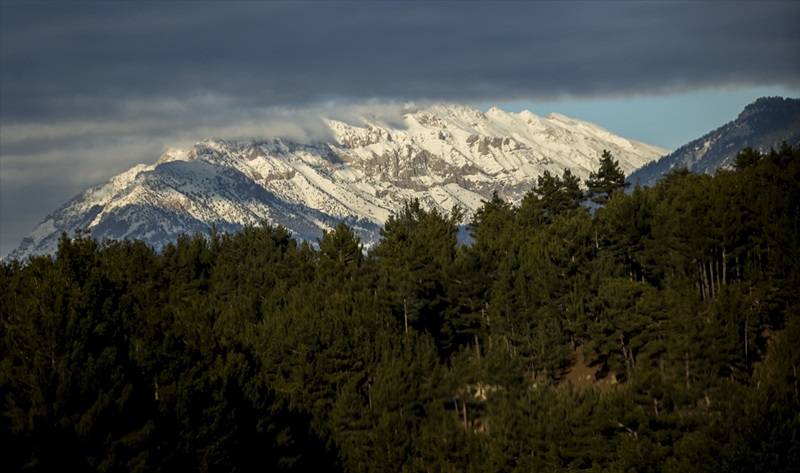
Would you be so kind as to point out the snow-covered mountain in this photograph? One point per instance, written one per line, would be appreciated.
(762, 125)
(444, 155)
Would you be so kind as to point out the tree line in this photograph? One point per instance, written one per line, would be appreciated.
(655, 332)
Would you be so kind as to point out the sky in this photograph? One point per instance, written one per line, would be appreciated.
(88, 89)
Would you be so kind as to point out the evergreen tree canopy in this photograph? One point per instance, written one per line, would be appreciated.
(657, 334)
(608, 179)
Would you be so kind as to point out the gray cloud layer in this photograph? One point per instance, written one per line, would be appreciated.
(88, 55)
(88, 89)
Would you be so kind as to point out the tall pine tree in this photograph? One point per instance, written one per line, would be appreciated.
(607, 180)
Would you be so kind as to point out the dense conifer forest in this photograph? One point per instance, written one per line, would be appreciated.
(658, 331)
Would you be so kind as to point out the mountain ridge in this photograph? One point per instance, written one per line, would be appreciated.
(762, 124)
(446, 155)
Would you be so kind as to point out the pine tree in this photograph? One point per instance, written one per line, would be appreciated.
(550, 197)
(608, 179)
(415, 256)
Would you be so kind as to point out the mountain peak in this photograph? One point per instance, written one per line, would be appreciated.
(444, 155)
(769, 105)
(453, 110)
(173, 154)
(763, 124)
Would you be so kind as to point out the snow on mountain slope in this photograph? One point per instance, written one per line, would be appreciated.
(445, 155)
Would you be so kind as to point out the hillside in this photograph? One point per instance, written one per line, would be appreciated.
(762, 125)
(655, 334)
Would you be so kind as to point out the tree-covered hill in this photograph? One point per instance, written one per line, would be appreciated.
(255, 352)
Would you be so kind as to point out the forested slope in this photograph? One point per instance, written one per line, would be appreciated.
(254, 352)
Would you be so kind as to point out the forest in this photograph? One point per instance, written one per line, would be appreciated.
(655, 330)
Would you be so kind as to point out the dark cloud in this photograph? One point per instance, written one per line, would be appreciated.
(81, 57)
(82, 84)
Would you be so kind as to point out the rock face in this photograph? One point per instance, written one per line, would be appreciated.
(762, 125)
(444, 155)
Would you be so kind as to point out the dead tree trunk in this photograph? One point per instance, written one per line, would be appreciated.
(405, 314)
(710, 270)
(686, 360)
(724, 269)
(703, 281)
(746, 323)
